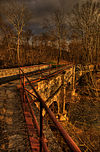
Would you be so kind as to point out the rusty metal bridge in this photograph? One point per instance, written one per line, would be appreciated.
(30, 95)
(44, 98)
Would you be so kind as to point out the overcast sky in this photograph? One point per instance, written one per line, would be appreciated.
(43, 8)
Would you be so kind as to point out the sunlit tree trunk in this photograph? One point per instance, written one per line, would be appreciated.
(18, 50)
(59, 53)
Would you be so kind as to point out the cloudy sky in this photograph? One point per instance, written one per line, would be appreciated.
(43, 8)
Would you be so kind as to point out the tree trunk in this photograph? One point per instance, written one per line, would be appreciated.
(59, 55)
(18, 56)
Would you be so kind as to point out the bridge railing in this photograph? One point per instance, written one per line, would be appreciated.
(69, 141)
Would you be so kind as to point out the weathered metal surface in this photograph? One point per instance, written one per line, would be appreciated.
(42, 141)
(65, 135)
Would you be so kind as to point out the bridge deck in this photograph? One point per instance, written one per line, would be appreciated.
(19, 130)
(13, 132)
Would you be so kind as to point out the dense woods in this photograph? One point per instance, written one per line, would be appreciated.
(74, 37)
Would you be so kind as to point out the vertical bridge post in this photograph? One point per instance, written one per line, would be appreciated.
(62, 93)
(41, 126)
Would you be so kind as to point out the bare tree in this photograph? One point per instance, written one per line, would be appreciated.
(27, 35)
(56, 26)
(17, 16)
(85, 22)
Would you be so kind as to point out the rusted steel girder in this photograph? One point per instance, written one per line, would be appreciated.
(49, 75)
(72, 145)
(53, 94)
(30, 93)
(42, 140)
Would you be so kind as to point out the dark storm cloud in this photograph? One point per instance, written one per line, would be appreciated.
(43, 8)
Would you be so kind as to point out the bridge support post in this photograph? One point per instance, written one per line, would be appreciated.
(73, 80)
(58, 107)
(64, 102)
(41, 126)
(62, 96)
(23, 88)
